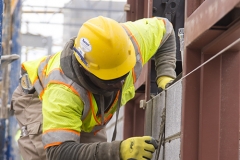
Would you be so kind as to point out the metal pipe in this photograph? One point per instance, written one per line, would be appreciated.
(6, 51)
(75, 8)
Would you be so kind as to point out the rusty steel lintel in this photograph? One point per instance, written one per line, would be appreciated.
(204, 17)
(228, 37)
(209, 36)
(192, 6)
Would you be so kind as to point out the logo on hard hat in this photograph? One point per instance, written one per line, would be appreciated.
(85, 45)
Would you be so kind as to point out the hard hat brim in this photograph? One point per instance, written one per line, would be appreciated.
(113, 73)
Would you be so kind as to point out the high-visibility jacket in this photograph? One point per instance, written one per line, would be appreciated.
(68, 108)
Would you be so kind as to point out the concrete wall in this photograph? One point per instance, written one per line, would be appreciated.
(172, 100)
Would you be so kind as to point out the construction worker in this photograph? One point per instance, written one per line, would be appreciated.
(65, 100)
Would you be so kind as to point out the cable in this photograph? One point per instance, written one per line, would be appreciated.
(223, 50)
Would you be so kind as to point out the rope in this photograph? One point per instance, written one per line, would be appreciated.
(117, 113)
(223, 50)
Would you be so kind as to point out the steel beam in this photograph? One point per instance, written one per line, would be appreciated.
(226, 38)
(190, 106)
(209, 124)
(134, 117)
(210, 113)
(59, 9)
(13, 5)
(204, 17)
(219, 108)
(16, 49)
(31, 40)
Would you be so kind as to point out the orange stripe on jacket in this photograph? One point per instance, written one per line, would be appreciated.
(61, 129)
(134, 39)
(69, 86)
(52, 144)
(91, 105)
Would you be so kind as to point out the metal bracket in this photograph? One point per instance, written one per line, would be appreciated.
(127, 7)
(164, 1)
(143, 104)
(171, 8)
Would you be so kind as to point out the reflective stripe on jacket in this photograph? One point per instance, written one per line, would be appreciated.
(68, 108)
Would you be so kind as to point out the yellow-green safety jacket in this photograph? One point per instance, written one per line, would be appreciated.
(67, 107)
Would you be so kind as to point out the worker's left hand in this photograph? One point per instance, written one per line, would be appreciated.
(164, 81)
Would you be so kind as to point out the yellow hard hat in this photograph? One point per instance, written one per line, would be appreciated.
(104, 49)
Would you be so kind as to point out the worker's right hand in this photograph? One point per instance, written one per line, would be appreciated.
(138, 148)
(164, 81)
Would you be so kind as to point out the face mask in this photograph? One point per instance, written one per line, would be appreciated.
(108, 85)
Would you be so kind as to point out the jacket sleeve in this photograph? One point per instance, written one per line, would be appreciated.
(154, 37)
(62, 123)
(94, 151)
(62, 111)
(165, 57)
